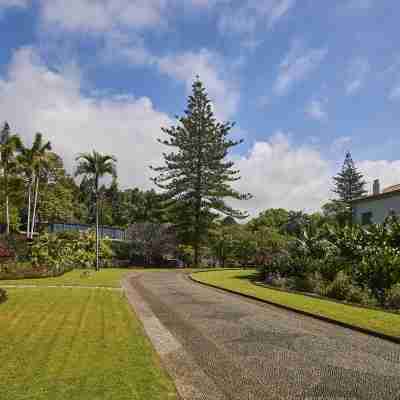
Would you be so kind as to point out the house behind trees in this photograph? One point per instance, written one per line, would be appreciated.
(376, 207)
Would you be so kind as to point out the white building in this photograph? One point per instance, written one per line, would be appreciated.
(374, 208)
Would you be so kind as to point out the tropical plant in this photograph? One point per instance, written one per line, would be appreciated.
(196, 176)
(32, 161)
(392, 297)
(9, 144)
(68, 250)
(95, 166)
(39, 155)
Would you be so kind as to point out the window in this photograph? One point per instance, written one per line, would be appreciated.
(366, 218)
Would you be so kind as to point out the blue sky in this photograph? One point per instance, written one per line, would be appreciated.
(304, 80)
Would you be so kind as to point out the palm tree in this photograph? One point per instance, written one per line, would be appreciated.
(9, 144)
(32, 161)
(25, 160)
(96, 165)
(39, 150)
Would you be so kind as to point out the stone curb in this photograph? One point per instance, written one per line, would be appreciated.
(190, 380)
(370, 332)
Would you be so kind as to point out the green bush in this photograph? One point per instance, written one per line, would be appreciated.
(392, 296)
(26, 270)
(361, 296)
(318, 284)
(300, 283)
(378, 270)
(68, 250)
(339, 288)
(3, 295)
(121, 250)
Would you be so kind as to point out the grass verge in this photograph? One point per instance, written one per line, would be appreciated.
(107, 277)
(240, 281)
(60, 343)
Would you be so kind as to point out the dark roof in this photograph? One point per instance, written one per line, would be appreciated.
(392, 188)
(387, 192)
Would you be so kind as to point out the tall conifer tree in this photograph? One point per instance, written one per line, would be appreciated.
(349, 182)
(196, 176)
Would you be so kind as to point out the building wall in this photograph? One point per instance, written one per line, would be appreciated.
(379, 208)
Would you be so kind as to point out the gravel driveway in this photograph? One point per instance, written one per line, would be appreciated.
(249, 350)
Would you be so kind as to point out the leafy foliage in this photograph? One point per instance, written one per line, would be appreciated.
(353, 263)
(152, 242)
(196, 176)
(68, 250)
(392, 296)
(349, 182)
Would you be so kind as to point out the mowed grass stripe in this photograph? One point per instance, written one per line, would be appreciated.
(76, 344)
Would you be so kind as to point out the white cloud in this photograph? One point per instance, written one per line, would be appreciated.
(279, 174)
(14, 4)
(297, 64)
(208, 65)
(103, 15)
(254, 14)
(120, 24)
(395, 93)
(388, 172)
(35, 98)
(131, 47)
(183, 67)
(357, 75)
(315, 110)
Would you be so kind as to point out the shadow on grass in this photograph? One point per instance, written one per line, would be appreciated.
(250, 276)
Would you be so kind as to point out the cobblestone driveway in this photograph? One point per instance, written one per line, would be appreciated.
(255, 351)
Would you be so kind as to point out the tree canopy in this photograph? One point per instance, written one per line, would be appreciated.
(197, 175)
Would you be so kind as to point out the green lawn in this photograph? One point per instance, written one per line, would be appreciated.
(239, 281)
(68, 343)
(107, 277)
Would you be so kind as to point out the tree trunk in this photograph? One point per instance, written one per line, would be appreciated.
(28, 226)
(7, 217)
(97, 226)
(197, 235)
(35, 206)
(7, 206)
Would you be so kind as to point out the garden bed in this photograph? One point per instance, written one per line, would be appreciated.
(28, 271)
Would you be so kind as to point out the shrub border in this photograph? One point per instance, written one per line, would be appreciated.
(390, 338)
(30, 275)
(319, 297)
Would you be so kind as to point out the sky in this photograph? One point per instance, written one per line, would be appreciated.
(303, 80)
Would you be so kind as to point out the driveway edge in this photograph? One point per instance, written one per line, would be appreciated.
(370, 332)
(190, 380)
